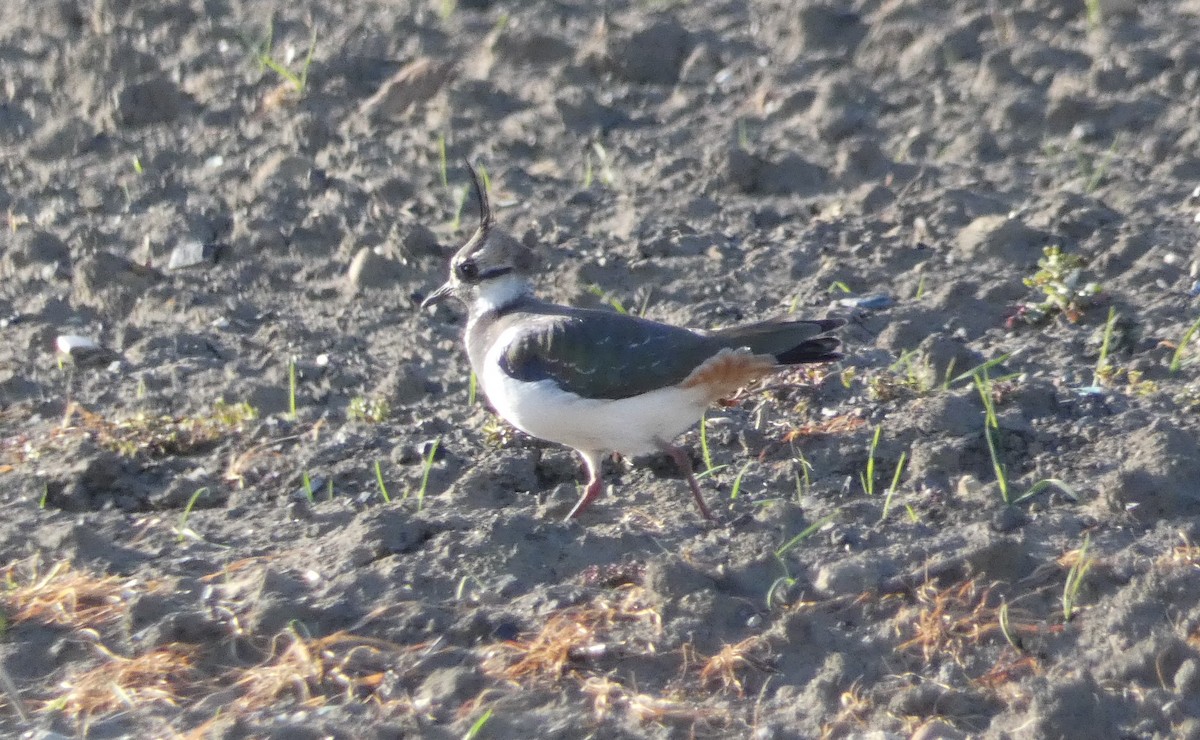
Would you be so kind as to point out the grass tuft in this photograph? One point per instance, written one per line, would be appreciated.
(164, 675)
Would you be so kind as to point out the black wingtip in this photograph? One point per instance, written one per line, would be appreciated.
(821, 349)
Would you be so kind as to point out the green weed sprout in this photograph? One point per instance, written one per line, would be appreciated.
(867, 478)
(297, 81)
(183, 530)
(1075, 576)
(426, 468)
(786, 580)
(1060, 279)
(891, 491)
(1177, 356)
(383, 491)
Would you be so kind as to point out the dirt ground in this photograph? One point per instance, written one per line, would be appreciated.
(256, 497)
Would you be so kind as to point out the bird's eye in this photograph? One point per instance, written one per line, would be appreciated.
(467, 270)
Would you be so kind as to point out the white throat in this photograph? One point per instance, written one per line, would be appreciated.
(495, 294)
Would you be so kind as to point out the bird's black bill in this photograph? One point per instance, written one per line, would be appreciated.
(438, 295)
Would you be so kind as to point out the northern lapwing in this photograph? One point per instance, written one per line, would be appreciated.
(601, 381)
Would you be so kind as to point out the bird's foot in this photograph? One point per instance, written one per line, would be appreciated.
(595, 487)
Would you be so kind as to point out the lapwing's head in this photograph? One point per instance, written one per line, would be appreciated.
(491, 269)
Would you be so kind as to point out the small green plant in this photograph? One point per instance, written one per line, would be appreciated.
(867, 478)
(1104, 371)
(743, 135)
(588, 174)
(607, 175)
(1095, 14)
(982, 367)
(837, 286)
(1006, 628)
(292, 389)
(460, 200)
(1065, 293)
(1100, 169)
(891, 491)
(991, 427)
(804, 475)
(920, 289)
(446, 9)
(372, 410)
(478, 725)
(1177, 360)
(1079, 570)
(183, 530)
(472, 388)
(383, 491)
(233, 414)
(737, 483)
(443, 168)
(484, 180)
(426, 468)
(787, 580)
(45, 495)
(607, 296)
(297, 81)
(308, 487)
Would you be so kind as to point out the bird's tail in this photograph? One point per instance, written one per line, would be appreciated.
(790, 342)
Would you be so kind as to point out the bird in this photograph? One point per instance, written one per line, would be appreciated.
(601, 381)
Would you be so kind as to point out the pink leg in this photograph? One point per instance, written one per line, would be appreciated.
(685, 466)
(595, 485)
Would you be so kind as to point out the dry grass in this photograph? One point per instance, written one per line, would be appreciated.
(950, 621)
(141, 434)
(731, 662)
(310, 670)
(1010, 668)
(854, 708)
(571, 635)
(164, 675)
(609, 696)
(65, 597)
(835, 425)
(1183, 555)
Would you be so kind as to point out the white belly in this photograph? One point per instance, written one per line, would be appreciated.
(632, 426)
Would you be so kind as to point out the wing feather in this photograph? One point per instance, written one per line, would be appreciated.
(598, 354)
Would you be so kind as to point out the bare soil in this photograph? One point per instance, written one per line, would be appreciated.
(1000, 198)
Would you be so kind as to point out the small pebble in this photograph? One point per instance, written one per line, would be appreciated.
(191, 253)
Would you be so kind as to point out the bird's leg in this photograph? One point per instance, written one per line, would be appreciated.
(685, 466)
(595, 485)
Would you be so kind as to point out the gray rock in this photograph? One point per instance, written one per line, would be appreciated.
(190, 253)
